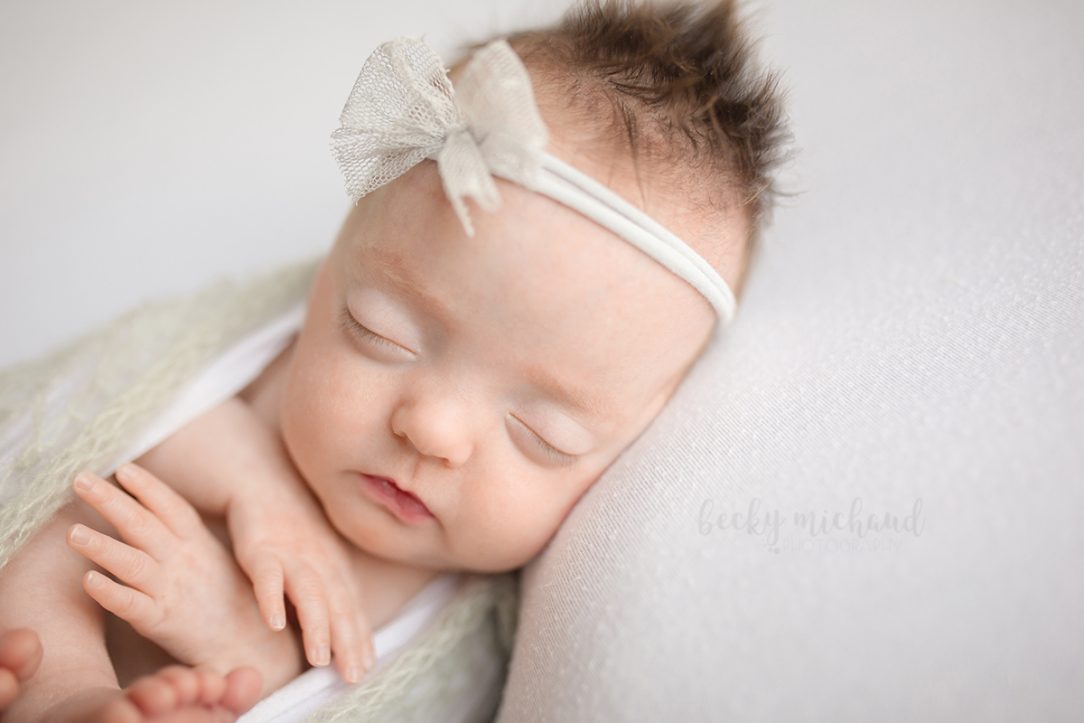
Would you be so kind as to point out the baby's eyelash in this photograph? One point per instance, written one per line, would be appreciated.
(552, 451)
(547, 448)
(350, 324)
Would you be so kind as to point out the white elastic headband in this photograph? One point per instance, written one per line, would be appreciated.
(403, 109)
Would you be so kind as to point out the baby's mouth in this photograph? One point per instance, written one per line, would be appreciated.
(405, 505)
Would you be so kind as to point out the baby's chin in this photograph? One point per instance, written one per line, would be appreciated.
(425, 554)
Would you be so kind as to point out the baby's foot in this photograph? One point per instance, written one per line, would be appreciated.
(178, 694)
(20, 654)
(172, 695)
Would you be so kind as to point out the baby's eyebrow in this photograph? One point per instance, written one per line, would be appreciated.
(578, 397)
(394, 269)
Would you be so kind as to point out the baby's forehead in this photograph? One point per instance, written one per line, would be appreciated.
(531, 254)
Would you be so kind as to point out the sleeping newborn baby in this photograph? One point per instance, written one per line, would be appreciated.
(457, 385)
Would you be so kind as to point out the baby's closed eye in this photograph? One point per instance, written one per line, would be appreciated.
(354, 327)
(548, 449)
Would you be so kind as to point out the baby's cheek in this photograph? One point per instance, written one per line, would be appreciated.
(503, 532)
(325, 401)
(308, 417)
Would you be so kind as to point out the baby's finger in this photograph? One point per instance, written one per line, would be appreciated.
(265, 572)
(353, 654)
(134, 567)
(312, 614)
(135, 524)
(158, 497)
(130, 605)
(351, 637)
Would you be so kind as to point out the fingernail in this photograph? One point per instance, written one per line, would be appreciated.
(367, 660)
(277, 621)
(94, 579)
(84, 483)
(323, 655)
(80, 535)
(352, 674)
(124, 471)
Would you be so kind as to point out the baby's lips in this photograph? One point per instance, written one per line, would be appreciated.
(408, 506)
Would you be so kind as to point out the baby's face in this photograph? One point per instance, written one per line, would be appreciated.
(499, 375)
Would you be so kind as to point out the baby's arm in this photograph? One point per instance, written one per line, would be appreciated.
(228, 462)
(176, 584)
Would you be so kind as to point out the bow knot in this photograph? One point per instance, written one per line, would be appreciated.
(404, 109)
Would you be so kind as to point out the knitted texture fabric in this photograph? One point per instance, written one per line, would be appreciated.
(80, 406)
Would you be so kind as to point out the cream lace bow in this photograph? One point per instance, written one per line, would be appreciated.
(403, 109)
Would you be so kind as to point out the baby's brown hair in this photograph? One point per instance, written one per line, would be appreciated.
(684, 95)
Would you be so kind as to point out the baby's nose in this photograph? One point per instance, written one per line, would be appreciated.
(437, 430)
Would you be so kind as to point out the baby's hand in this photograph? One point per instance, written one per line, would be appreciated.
(284, 542)
(178, 585)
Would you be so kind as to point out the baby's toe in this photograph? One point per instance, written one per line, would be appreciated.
(9, 688)
(119, 710)
(212, 686)
(20, 652)
(185, 681)
(153, 694)
(242, 689)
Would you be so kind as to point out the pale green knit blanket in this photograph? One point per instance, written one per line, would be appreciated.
(82, 405)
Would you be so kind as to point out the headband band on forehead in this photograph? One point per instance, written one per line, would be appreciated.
(403, 110)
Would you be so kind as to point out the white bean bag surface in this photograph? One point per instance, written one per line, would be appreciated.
(914, 334)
